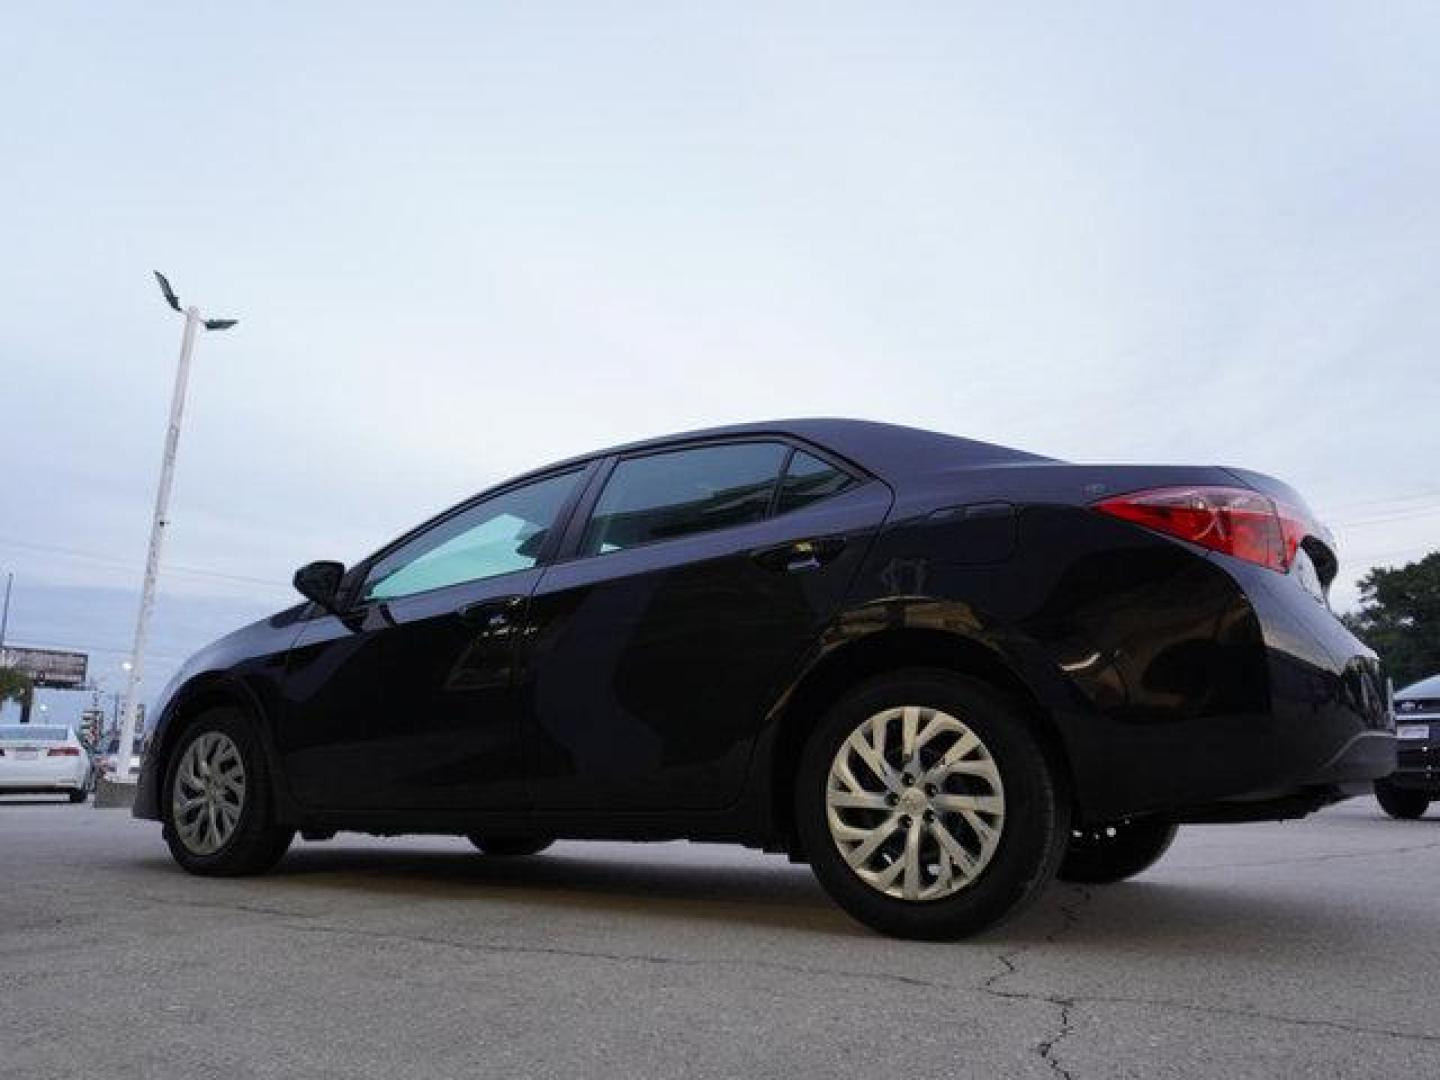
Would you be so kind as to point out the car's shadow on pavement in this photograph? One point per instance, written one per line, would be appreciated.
(771, 893)
(1156, 916)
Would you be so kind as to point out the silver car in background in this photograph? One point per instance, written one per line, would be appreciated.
(43, 759)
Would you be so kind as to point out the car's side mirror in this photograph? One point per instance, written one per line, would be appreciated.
(320, 582)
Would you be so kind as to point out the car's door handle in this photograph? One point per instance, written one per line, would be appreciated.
(798, 556)
(492, 615)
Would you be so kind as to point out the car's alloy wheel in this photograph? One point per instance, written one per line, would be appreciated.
(1104, 854)
(217, 801)
(927, 807)
(208, 794)
(915, 803)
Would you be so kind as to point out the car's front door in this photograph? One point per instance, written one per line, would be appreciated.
(686, 594)
(423, 715)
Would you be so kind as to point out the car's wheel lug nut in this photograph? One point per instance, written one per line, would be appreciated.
(906, 821)
(906, 779)
(929, 815)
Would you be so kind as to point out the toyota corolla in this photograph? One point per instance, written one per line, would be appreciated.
(937, 670)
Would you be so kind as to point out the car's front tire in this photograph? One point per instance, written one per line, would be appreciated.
(927, 808)
(1106, 854)
(1400, 803)
(510, 847)
(218, 804)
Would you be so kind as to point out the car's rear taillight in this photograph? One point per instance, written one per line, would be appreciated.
(62, 751)
(1236, 521)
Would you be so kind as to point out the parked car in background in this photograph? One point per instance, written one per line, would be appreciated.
(1407, 792)
(937, 670)
(46, 759)
(105, 763)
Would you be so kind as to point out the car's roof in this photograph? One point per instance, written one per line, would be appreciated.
(1425, 688)
(887, 450)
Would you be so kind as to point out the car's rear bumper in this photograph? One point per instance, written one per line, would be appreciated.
(1250, 700)
(25, 778)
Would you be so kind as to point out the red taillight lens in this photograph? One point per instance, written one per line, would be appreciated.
(1236, 521)
(62, 751)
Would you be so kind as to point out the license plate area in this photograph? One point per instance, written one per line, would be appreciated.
(1412, 731)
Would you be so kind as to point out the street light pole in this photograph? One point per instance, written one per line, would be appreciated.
(5, 614)
(159, 522)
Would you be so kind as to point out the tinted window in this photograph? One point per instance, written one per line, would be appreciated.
(497, 536)
(662, 496)
(808, 479)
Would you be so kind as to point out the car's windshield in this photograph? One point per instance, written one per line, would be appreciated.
(32, 733)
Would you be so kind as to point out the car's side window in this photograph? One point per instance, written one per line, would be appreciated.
(809, 479)
(498, 535)
(681, 492)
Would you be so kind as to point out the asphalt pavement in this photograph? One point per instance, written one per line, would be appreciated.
(1307, 947)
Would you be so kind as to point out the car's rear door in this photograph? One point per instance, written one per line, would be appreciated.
(691, 582)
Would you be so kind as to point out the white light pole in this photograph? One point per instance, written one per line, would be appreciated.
(136, 666)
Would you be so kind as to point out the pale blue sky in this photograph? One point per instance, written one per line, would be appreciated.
(464, 239)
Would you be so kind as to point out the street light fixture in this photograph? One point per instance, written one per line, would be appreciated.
(136, 665)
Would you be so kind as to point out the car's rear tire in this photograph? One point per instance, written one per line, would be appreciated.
(1110, 853)
(218, 802)
(927, 808)
(77, 796)
(1400, 803)
(510, 847)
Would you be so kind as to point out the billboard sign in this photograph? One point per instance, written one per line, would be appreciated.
(47, 668)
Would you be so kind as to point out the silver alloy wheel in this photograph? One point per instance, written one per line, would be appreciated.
(914, 803)
(209, 793)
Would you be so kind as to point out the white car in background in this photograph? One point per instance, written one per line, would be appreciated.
(43, 759)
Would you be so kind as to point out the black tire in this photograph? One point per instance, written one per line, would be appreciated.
(1107, 854)
(1036, 812)
(78, 795)
(510, 847)
(1400, 803)
(257, 842)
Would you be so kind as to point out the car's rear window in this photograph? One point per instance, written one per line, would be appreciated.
(32, 733)
(1425, 688)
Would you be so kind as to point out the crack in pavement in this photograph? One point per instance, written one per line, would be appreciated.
(1069, 918)
(635, 958)
(1068, 1003)
(1065, 1004)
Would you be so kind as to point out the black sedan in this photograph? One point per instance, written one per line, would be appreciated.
(937, 670)
(1408, 791)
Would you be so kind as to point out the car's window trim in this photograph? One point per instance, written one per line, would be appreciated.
(355, 577)
(856, 479)
(580, 519)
